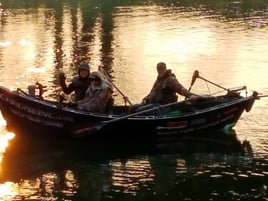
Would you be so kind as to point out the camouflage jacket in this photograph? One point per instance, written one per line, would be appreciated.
(96, 98)
(164, 90)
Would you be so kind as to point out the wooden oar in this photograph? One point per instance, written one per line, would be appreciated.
(110, 80)
(262, 96)
(194, 77)
(228, 90)
(88, 129)
(198, 76)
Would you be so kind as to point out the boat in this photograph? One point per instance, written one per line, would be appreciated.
(26, 113)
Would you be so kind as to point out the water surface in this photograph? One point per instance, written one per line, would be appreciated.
(226, 41)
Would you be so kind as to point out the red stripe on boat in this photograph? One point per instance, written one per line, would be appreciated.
(180, 124)
(230, 110)
(80, 130)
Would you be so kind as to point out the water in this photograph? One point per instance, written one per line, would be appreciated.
(226, 41)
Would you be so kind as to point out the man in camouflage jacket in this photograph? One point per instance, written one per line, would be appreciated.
(98, 94)
(165, 88)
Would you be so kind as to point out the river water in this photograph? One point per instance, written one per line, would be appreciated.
(226, 41)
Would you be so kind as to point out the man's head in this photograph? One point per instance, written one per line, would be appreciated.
(95, 78)
(83, 70)
(161, 69)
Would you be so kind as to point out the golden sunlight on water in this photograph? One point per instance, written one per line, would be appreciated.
(48, 183)
(7, 189)
(37, 43)
(40, 187)
(131, 174)
(5, 136)
(184, 42)
(31, 187)
(231, 58)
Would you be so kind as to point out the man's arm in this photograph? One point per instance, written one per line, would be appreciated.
(179, 88)
(66, 89)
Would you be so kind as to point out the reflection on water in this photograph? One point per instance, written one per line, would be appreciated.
(130, 39)
(225, 40)
(39, 169)
(7, 189)
(43, 169)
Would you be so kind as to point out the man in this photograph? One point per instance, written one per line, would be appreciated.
(98, 94)
(165, 88)
(79, 83)
(163, 91)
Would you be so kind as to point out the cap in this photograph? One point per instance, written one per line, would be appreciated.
(95, 75)
(83, 65)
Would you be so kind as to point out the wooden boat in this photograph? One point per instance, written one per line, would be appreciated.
(29, 114)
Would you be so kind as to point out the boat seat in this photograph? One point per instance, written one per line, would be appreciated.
(109, 106)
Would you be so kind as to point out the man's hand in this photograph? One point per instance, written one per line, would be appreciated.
(144, 101)
(194, 98)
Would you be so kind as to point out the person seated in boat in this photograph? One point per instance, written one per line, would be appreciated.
(79, 83)
(164, 90)
(98, 94)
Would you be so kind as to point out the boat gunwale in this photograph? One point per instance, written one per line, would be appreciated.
(53, 105)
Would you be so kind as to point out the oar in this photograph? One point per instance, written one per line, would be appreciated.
(198, 76)
(91, 128)
(262, 96)
(228, 90)
(110, 80)
(194, 77)
(259, 95)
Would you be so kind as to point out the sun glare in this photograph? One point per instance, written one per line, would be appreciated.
(36, 69)
(24, 42)
(5, 43)
(8, 190)
(4, 142)
(5, 136)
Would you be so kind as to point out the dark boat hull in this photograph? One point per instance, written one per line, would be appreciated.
(28, 115)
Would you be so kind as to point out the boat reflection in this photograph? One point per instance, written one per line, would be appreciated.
(208, 142)
(42, 169)
(25, 152)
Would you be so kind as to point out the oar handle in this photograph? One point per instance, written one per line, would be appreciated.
(194, 77)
